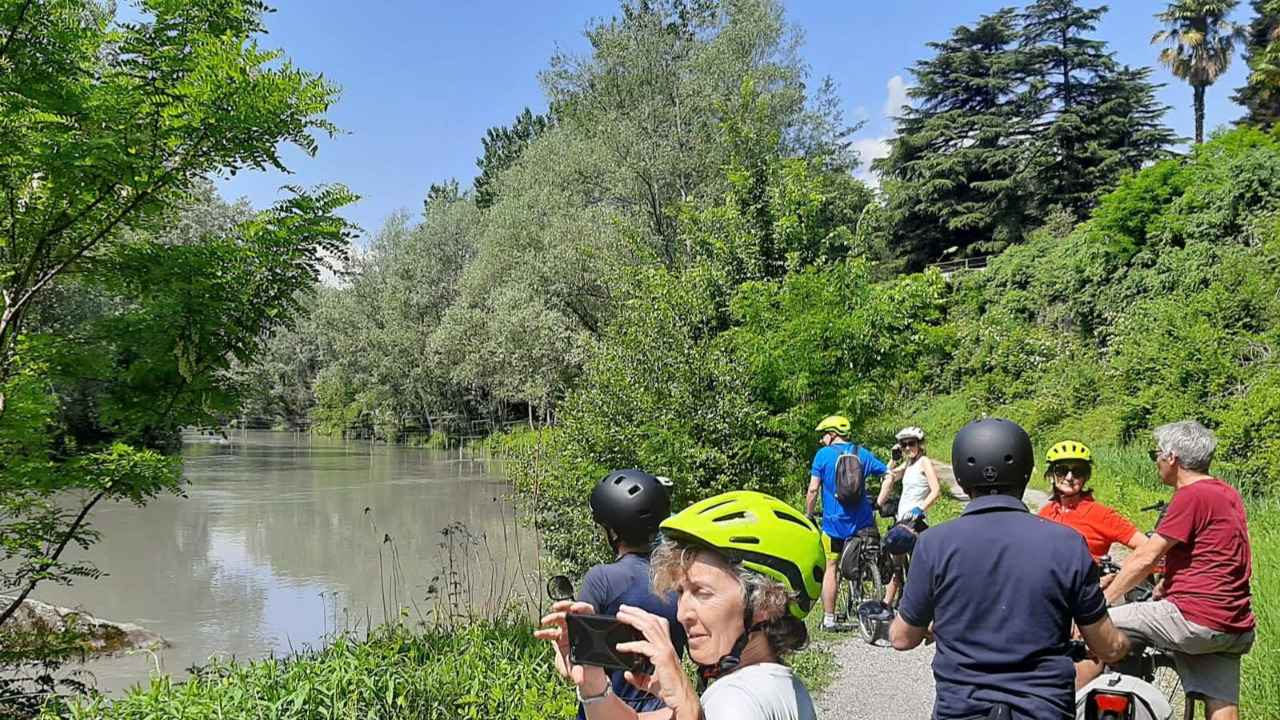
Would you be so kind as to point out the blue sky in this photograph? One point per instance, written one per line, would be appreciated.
(422, 80)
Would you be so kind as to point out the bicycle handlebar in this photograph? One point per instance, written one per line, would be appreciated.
(1158, 507)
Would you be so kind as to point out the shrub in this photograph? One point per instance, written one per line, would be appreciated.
(659, 393)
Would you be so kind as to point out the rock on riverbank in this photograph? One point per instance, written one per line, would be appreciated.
(103, 637)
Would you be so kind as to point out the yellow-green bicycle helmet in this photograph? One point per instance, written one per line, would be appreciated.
(1069, 450)
(767, 535)
(837, 424)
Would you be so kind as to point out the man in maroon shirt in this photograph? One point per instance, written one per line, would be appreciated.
(1203, 616)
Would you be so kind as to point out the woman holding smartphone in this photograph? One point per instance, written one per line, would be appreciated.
(920, 490)
(745, 567)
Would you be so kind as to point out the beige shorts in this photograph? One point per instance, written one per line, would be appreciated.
(1208, 660)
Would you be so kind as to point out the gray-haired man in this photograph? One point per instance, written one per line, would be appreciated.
(1204, 616)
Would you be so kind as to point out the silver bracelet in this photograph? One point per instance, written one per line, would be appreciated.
(593, 699)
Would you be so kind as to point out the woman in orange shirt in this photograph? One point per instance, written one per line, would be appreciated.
(1070, 466)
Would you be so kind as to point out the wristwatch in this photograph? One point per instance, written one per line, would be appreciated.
(598, 697)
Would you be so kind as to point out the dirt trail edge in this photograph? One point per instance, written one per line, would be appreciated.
(875, 682)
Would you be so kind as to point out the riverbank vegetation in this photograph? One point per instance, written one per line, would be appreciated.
(123, 311)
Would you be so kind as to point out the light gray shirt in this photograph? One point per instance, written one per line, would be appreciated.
(764, 691)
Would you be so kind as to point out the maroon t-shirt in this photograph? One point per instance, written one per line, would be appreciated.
(1207, 572)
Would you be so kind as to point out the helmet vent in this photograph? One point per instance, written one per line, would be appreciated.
(633, 489)
(791, 518)
(1008, 459)
(972, 461)
(709, 508)
(745, 540)
(739, 515)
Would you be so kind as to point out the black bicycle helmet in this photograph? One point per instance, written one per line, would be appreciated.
(631, 503)
(992, 455)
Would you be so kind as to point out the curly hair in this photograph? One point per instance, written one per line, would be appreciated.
(670, 562)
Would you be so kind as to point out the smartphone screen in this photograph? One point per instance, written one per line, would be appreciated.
(593, 639)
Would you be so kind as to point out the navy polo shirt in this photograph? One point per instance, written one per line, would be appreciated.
(1002, 587)
(626, 582)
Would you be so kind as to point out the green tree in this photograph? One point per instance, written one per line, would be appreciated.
(105, 127)
(639, 133)
(502, 147)
(660, 80)
(1201, 42)
(382, 365)
(107, 123)
(1260, 95)
(957, 173)
(1099, 120)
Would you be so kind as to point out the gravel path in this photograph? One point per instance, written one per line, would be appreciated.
(1035, 499)
(876, 682)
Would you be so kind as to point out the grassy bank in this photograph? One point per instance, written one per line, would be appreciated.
(488, 669)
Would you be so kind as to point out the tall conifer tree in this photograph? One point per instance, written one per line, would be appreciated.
(1099, 119)
(954, 175)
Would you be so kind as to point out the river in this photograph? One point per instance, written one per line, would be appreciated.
(284, 537)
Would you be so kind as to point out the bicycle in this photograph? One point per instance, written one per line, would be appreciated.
(859, 568)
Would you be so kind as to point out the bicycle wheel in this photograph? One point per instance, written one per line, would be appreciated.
(1165, 678)
(868, 585)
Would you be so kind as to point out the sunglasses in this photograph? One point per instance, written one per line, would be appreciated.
(908, 443)
(1155, 454)
(1080, 471)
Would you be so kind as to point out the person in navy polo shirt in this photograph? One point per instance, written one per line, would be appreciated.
(999, 589)
(629, 505)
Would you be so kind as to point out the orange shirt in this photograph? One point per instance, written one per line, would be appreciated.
(1100, 525)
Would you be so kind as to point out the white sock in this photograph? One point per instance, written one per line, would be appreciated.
(828, 618)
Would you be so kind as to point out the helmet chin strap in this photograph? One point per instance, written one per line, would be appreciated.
(731, 660)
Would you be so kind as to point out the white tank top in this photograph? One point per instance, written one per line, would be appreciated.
(915, 488)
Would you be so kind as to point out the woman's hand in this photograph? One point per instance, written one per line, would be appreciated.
(555, 630)
(667, 680)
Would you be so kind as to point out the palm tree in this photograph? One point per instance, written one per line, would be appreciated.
(1201, 43)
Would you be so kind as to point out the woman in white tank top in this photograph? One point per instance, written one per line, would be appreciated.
(920, 487)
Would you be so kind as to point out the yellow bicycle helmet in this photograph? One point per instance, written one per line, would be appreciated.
(1069, 450)
(765, 534)
(837, 424)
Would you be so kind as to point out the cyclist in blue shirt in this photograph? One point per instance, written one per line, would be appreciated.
(839, 522)
(629, 505)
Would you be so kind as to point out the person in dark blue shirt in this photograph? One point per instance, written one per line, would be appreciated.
(839, 522)
(1001, 588)
(629, 505)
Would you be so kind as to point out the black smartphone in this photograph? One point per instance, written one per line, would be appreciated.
(593, 640)
(897, 452)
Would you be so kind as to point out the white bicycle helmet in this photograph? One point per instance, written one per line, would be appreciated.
(910, 433)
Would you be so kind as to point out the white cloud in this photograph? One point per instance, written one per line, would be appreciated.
(897, 88)
(869, 149)
(872, 148)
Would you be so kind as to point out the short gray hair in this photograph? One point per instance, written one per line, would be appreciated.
(671, 560)
(1192, 442)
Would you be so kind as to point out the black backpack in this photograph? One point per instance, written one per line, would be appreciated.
(850, 485)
